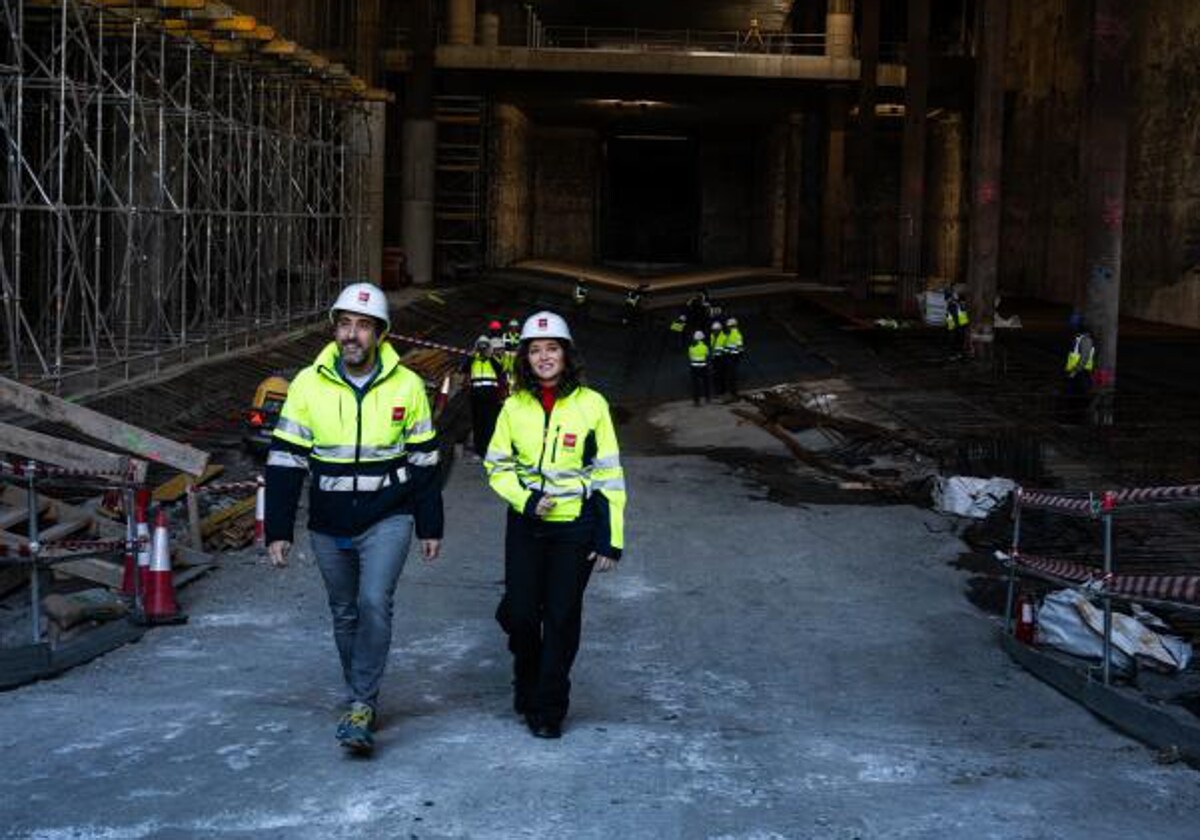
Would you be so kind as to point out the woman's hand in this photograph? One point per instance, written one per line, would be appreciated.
(544, 506)
(603, 564)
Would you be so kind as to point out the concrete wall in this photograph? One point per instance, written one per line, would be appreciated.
(728, 193)
(1042, 236)
(565, 179)
(512, 210)
(945, 201)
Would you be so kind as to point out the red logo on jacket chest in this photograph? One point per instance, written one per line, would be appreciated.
(398, 414)
(569, 441)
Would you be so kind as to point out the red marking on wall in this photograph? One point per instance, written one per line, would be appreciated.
(1113, 213)
(1111, 32)
(987, 193)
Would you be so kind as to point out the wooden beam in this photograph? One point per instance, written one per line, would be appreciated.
(121, 435)
(65, 453)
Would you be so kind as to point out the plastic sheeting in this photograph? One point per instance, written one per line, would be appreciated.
(972, 497)
(1069, 622)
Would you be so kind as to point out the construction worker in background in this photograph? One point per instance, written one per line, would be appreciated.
(1081, 364)
(633, 300)
(359, 422)
(581, 294)
(485, 371)
(957, 322)
(679, 329)
(554, 460)
(734, 346)
(716, 348)
(512, 337)
(698, 355)
(495, 334)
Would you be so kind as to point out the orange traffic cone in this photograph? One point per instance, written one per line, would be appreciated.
(159, 602)
(443, 396)
(260, 512)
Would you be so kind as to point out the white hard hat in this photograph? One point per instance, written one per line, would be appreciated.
(732, 322)
(513, 322)
(699, 335)
(363, 299)
(545, 325)
(716, 325)
(483, 341)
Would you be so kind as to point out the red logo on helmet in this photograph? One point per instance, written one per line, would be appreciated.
(364, 297)
(569, 441)
(398, 414)
(543, 323)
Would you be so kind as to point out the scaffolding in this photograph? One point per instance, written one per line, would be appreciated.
(460, 209)
(178, 183)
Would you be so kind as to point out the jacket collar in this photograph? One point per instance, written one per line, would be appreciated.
(389, 360)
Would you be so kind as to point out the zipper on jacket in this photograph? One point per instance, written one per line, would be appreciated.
(542, 454)
(554, 448)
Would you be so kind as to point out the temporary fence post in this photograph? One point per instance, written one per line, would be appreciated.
(1012, 565)
(35, 606)
(1107, 507)
(193, 512)
(131, 537)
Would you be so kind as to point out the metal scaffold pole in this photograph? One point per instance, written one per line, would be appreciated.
(171, 189)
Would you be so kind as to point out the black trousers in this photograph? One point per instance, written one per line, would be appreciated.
(717, 363)
(731, 363)
(485, 408)
(546, 570)
(700, 387)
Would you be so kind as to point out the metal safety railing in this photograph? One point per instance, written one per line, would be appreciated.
(1170, 590)
(38, 553)
(679, 40)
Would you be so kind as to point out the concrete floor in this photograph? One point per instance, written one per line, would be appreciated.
(752, 670)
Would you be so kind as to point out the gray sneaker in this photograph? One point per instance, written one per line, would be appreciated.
(354, 729)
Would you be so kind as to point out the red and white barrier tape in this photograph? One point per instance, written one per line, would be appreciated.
(226, 487)
(35, 469)
(26, 550)
(423, 342)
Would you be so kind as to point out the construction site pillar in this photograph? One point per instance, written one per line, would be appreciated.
(833, 205)
(947, 186)
(839, 29)
(1105, 142)
(794, 186)
(489, 29)
(912, 178)
(862, 235)
(377, 139)
(418, 149)
(987, 150)
(460, 22)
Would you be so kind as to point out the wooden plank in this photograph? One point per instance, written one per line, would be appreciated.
(66, 453)
(103, 572)
(66, 528)
(109, 430)
(216, 521)
(173, 489)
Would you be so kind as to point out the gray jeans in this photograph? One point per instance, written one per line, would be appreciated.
(360, 575)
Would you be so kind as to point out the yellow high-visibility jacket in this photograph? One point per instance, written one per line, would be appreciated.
(698, 354)
(569, 454)
(372, 451)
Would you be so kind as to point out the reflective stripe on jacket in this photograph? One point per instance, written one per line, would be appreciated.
(372, 452)
(483, 372)
(734, 344)
(1083, 346)
(569, 454)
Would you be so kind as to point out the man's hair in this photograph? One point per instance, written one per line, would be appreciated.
(572, 375)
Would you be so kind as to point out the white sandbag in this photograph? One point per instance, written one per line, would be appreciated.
(1060, 626)
(933, 307)
(973, 497)
(1130, 636)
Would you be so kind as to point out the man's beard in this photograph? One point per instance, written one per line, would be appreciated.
(354, 353)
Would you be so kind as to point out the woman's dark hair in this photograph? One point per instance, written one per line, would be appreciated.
(572, 375)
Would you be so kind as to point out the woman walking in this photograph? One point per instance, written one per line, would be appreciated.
(554, 459)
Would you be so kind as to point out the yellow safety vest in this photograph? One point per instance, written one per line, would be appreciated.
(570, 455)
(483, 372)
(698, 354)
(361, 447)
(1075, 357)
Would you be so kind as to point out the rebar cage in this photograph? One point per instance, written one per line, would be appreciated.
(163, 200)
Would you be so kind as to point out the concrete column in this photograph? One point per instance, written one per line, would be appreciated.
(489, 29)
(987, 148)
(419, 149)
(460, 22)
(377, 132)
(839, 29)
(862, 235)
(366, 40)
(833, 205)
(1104, 154)
(512, 209)
(912, 177)
(947, 180)
(794, 198)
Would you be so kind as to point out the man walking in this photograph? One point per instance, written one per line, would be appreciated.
(359, 421)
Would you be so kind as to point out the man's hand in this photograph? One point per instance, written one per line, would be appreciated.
(430, 550)
(278, 552)
(603, 564)
(544, 506)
